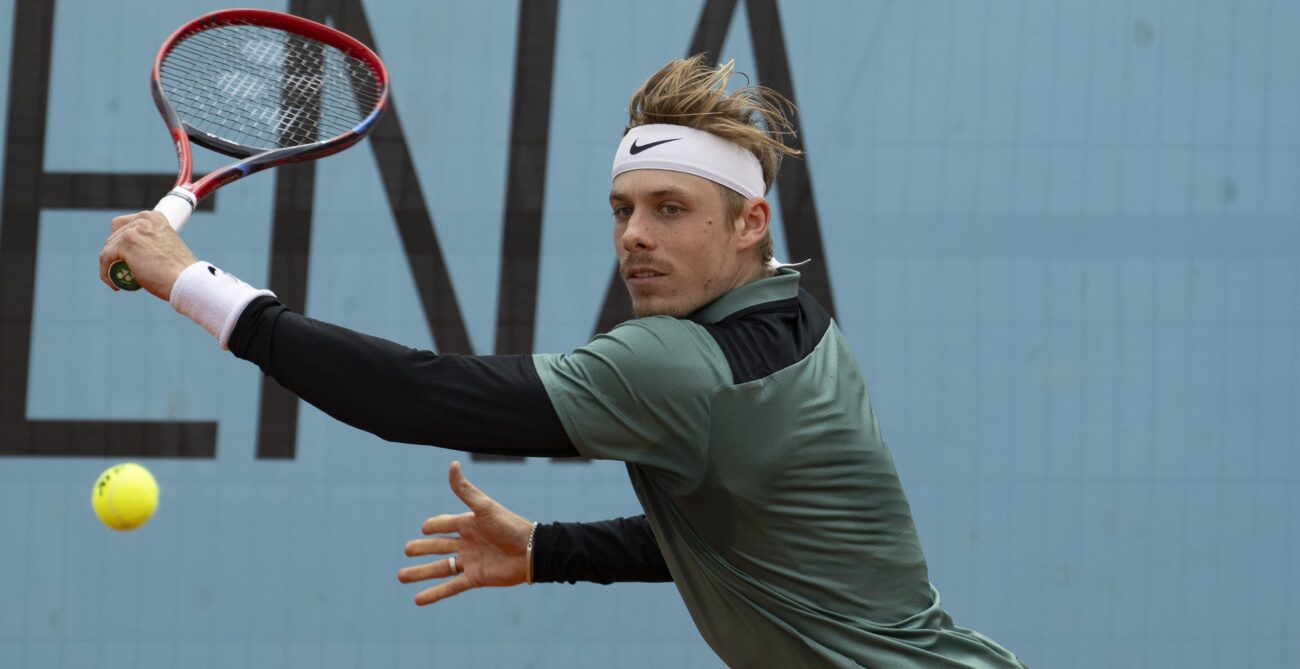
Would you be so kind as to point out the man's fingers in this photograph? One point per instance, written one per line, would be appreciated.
(148, 239)
(104, 264)
(472, 497)
(435, 546)
(445, 523)
(424, 572)
(443, 590)
(112, 251)
(120, 221)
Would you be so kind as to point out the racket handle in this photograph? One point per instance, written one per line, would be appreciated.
(176, 207)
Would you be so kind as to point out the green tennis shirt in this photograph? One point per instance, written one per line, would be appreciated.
(749, 437)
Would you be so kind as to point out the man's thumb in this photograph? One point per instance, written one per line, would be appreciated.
(474, 498)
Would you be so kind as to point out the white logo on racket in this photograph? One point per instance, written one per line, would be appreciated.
(238, 84)
(263, 52)
(289, 120)
(301, 85)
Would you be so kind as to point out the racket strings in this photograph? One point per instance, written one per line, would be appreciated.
(300, 66)
(360, 73)
(265, 88)
(298, 116)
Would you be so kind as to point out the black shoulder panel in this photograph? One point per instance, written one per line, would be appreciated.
(766, 338)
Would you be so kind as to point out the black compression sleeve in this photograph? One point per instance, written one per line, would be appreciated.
(482, 404)
(610, 551)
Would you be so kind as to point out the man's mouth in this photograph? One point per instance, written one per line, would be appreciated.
(641, 276)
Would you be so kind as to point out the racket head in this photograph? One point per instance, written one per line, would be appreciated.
(267, 87)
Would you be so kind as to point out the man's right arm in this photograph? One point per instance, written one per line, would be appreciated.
(622, 550)
(489, 547)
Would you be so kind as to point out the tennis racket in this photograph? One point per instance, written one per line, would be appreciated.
(267, 87)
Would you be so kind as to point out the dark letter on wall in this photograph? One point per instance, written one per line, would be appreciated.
(28, 189)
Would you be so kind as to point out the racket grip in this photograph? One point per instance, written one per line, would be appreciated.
(176, 207)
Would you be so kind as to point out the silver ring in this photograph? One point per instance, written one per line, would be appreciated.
(452, 562)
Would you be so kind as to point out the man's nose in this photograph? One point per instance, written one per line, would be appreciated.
(636, 236)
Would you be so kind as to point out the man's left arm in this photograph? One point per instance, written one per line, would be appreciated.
(493, 404)
(479, 404)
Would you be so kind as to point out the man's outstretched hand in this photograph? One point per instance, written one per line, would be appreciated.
(489, 542)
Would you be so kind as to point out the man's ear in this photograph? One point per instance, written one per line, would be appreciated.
(752, 223)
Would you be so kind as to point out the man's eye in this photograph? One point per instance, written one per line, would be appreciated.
(622, 212)
(671, 209)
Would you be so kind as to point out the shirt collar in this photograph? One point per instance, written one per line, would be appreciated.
(784, 285)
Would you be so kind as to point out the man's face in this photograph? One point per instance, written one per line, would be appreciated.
(676, 250)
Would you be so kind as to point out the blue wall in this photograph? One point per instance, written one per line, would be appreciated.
(1063, 240)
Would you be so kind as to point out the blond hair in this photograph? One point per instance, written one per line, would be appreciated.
(693, 93)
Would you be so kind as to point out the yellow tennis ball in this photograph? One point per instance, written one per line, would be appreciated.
(125, 496)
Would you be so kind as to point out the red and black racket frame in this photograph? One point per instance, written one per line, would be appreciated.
(257, 159)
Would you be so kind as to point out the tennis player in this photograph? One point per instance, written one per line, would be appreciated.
(770, 498)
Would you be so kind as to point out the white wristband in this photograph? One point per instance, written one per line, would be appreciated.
(213, 299)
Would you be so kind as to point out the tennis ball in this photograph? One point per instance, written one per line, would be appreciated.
(125, 496)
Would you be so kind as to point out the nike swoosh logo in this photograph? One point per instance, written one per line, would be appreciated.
(638, 149)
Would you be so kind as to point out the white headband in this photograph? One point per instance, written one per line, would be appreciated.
(678, 148)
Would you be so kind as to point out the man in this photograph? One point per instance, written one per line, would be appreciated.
(770, 498)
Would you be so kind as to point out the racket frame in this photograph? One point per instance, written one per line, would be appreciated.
(253, 159)
(179, 204)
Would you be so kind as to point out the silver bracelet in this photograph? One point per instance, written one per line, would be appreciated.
(528, 577)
